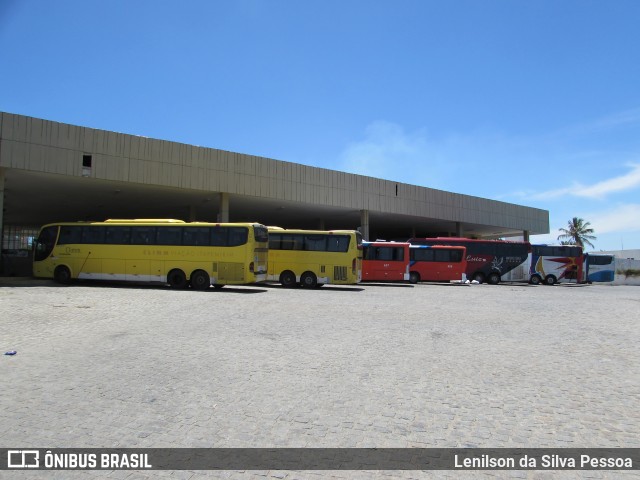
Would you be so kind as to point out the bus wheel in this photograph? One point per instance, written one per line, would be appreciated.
(414, 277)
(200, 280)
(478, 277)
(177, 279)
(535, 280)
(550, 280)
(62, 275)
(309, 280)
(493, 278)
(288, 279)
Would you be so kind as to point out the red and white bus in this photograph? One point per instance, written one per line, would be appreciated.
(385, 261)
(487, 260)
(437, 263)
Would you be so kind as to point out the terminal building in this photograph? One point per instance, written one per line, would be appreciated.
(53, 172)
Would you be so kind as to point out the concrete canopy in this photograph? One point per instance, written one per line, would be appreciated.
(58, 172)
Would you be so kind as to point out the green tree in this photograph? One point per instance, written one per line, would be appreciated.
(577, 233)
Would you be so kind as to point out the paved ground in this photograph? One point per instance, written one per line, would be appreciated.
(370, 366)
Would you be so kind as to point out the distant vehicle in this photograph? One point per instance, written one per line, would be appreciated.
(312, 258)
(437, 263)
(385, 261)
(487, 260)
(151, 250)
(600, 267)
(551, 264)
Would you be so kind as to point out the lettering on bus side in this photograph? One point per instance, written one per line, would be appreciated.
(471, 258)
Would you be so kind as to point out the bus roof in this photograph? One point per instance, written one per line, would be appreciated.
(319, 232)
(152, 221)
(455, 247)
(383, 243)
(462, 239)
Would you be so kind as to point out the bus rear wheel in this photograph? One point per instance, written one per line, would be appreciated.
(177, 279)
(62, 275)
(414, 277)
(288, 279)
(550, 280)
(309, 280)
(493, 278)
(200, 280)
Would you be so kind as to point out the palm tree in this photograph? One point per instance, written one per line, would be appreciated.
(577, 233)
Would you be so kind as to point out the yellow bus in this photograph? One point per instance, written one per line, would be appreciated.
(149, 250)
(312, 258)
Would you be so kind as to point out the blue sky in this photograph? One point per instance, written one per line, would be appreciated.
(535, 103)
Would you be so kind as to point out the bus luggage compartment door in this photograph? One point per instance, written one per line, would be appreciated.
(228, 271)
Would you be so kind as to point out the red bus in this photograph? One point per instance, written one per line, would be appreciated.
(385, 261)
(438, 263)
(487, 260)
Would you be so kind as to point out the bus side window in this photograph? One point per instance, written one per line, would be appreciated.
(456, 255)
(338, 243)
(196, 236)
(219, 236)
(274, 241)
(293, 242)
(143, 235)
(442, 256)
(315, 243)
(423, 255)
(117, 235)
(237, 236)
(69, 235)
(93, 235)
(169, 236)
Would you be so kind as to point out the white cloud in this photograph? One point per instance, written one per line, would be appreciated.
(622, 218)
(387, 151)
(599, 190)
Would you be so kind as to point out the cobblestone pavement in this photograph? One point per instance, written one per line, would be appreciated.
(431, 365)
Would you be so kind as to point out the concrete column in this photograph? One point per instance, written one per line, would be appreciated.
(364, 224)
(192, 213)
(223, 213)
(321, 224)
(525, 235)
(458, 229)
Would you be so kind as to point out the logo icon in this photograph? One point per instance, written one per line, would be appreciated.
(23, 458)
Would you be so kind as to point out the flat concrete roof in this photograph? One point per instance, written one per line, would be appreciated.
(132, 176)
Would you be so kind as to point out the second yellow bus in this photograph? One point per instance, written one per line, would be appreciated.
(312, 258)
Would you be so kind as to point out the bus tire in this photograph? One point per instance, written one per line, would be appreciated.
(478, 277)
(62, 275)
(550, 280)
(288, 279)
(414, 277)
(309, 280)
(493, 278)
(535, 280)
(200, 280)
(177, 279)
